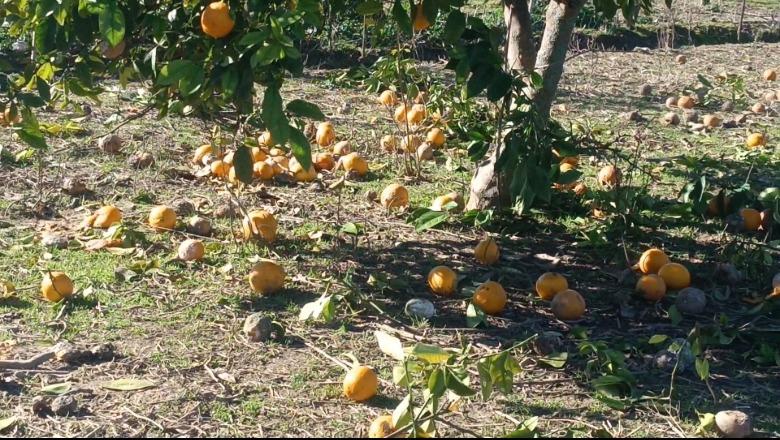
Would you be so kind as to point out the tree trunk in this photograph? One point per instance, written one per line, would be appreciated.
(520, 50)
(489, 188)
(559, 25)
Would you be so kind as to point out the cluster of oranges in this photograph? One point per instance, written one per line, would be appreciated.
(660, 275)
(420, 138)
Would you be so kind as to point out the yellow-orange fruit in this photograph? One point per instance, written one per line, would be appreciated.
(277, 152)
(341, 148)
(324, 161)
(191, 250)
(751, 218)
(487, 252)
(300, 174)
(354, 162)
(442, 280)
(675, 275)
(112, 52)
(609, 176)
(566, 167)
(232, 177)
(416, 114)
(568, 305)
(162, 218)
(711, 121)
(440, 202)
(360, 384)
(228, 158)
(389, 143)
(325, 134)
(107, 216)
(571, 160)
(580, 189)
(715, 210)
(265, 139)
(215, 21)
(420, 21)
(260, 224)
(381, 427)
(652, 287)
(652, 260)
(681, 59)
(200, 153)
(56, 286)
(266, 277)
(758, 108)
(550, 284)
(399, 115)
(685, 102)
(258, 155)
(490, 297)
(770, 75)
(394, 196)
(755, 140)
(436, 137)
(263, 170)
(283, 162)
(388, 98)
(219, 168)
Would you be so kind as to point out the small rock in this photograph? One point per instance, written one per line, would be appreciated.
(690, 116)
(226, 211)
(258, 328)
(665, 360)
(691, 301)
(633, 116)
(646, 90)
(733, 424)
(681, 59)
(86, 109)
(64, 405)
(103, 352)
(548, 343)
(316, 186)
(67, 353)
(199, 226)
(284, 179)
(740, 119)
(420, 308)
(40, 406)
(141, 161)
(727, 106)
(371, 196)
(670, 118)
(110, 144)
(627, 278)
(54, 241)
(183, 207)
(727, 273)
(73, 187)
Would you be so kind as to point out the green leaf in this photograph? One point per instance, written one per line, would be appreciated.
(424, 219)
(703, 368)
(352, 228)
(44, 91)
(192, 81)
(32, 137)
(456, 385)
(402, 18)
(401, 415)
(657, 339)
(479, 80)
(128, 384)
(305, 109)
(499, 87)
(706, 424)
(527, 429)
(111, 22)
(390, 345)
(301, 148)
(675, 315)
(7, 422)
(322, 308)
(704, 81)
(399, 376)
(475, 316)
(454, 27)
(436, 383)
(243, 163)
(57, 388)
(430, 353)
(485, 378)
(174, 71)
(273, 115)
(555, 360)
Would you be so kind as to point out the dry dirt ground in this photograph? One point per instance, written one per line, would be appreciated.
(179, 325)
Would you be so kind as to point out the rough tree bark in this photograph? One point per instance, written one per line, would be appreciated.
(488, 187)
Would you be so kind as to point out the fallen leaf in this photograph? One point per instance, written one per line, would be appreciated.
(7, 422)
(128, 384)
(390, 345)
(227, 377)
(57, 388)
(7, 290)
(96, 245)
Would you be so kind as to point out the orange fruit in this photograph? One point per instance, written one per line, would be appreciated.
(609, 176)
(12, 118)
(490, 297)
(354, 162)
(755, 140)
(266, 277)
(263, 170)
(260, 224)
(416, 114)
(200, 153)
(571, 160)
(106, 216)
(550, 284)
(381, 427)
(420, 21)
(232, 177)
(435, 137)
(394, 196)
(56, 286)
(685, 102)
(282, 161)
(487, 252)
(714, 208)
(676, 276)
(265, 139)
(652, 287)
(758, 108)
(652, 260)
(162, 218)
(215, 21)
(711, 121)
(191, 250)
(400, 114)
(770, 75)
(565, 167)
(439, 203)
(580, 189)
(568, 305)
(389, 143)
(112, 52)
(341, 148)
(324, 161)
(258, 155)
(751, 218)
(220, 168)
(325, 134)
(442, 280)
(388, 98)
(300, 174)
(360, 384)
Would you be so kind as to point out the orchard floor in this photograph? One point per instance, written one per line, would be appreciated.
(179, 325)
